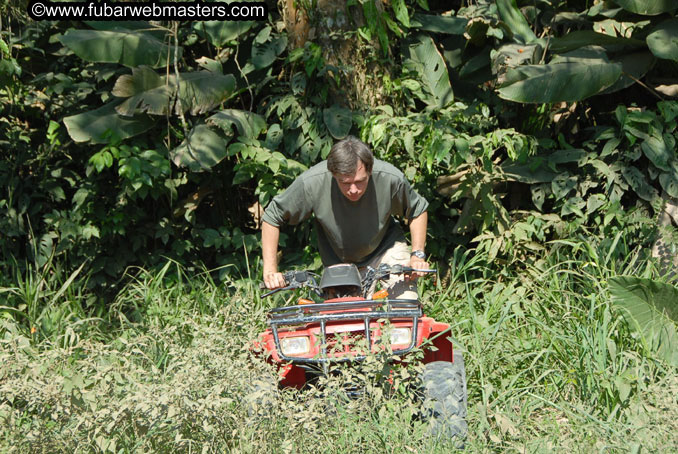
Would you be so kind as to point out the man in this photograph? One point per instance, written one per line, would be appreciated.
(354, 198)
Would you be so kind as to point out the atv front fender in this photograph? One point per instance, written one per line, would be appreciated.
(438, 337)
(292, 376)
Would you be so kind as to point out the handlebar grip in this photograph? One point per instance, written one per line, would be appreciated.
(417, 270)
(399, 269)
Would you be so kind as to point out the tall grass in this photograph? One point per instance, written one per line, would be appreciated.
(545, 346)
(167, 366)
(51, 306)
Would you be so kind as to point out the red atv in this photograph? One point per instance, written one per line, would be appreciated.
(306, 338)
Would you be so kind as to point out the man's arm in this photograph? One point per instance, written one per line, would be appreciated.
(270, 235)
(418, 237)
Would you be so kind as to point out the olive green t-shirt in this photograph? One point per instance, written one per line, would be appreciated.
(349, 232)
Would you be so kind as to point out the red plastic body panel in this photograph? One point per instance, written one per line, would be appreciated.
(292, 376)
(439, 333)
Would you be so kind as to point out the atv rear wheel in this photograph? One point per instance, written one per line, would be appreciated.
(445, 397)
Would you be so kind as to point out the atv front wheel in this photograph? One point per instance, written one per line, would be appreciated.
(445, 397)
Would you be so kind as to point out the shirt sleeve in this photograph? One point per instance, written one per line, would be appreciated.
(411, 204)
(290, 207)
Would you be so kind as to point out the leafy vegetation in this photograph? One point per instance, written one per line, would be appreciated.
(135, 159)
(168, 368)
(650, 309)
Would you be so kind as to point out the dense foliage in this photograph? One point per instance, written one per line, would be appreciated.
(126, 143)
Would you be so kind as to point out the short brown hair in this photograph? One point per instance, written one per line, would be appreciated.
(344, 156)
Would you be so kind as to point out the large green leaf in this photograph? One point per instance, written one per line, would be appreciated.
(561, 82)
(582, 54)
(669, 183)
(201, 91)
(658, 151)
(583, 38)
(530, 173)
(511, 15)
(128, 47)
(669, 179)
(128, 26)
(663, 41)
(263, 55)
(207, 148)
(338, 121)
(478, 66)
(102, 124)
(425, 59)
(400, 11)
(221, 32)
(651, 308)
(634, 66)
(638, 183)
(563, 184)
(147, 91)
(512, 55)
(451, 25)
(542, 169)
(573, 205)
(566, 156)
(247, 123)
(267, 47)
(376, 24)
(648, 7)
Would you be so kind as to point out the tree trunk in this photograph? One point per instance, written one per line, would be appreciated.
(333, 26)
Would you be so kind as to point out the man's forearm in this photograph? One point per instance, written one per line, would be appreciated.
(270, 235)
(418, 227)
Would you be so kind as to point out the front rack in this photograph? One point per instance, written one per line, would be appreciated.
(318, 313)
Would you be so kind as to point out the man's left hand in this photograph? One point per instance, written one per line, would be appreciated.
(418, 264)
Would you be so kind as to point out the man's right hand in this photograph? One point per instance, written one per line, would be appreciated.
(274, 280)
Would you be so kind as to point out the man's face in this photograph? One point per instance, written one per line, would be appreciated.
(353, 186)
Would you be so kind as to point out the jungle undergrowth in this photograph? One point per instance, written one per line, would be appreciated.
(551, 366)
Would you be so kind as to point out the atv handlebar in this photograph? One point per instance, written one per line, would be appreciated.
(304, 278)
(384, 271)
(294, 280)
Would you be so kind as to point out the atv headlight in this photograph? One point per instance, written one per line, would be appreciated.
(401, 336)
(295, 346)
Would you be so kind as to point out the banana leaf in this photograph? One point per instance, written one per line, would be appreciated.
(651, 309)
